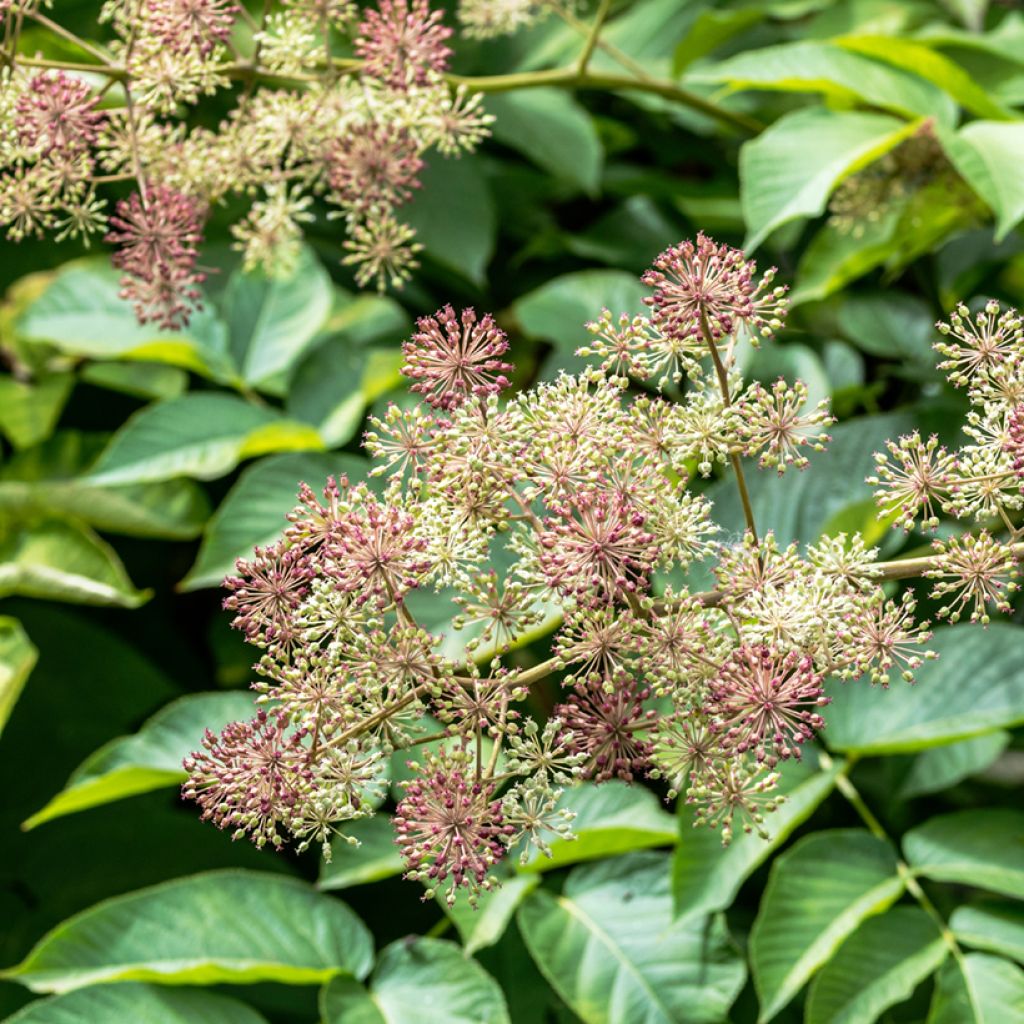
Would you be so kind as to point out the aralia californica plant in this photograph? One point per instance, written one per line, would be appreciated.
(577, 487)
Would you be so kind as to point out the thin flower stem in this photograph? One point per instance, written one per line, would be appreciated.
(593, 35)
(64, 33)
(875, 827)
(737, 463)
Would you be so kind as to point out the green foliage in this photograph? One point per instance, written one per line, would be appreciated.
(137, 464)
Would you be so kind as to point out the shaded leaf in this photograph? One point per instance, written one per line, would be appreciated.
(707, 875)
(273, 319)
(253, 513)
(417, 979)
(550, 128)
(142, 380)
(791, 168)
(878, 966)
(975, 687)
(485, 924)
(996, 927)
(818, 893)
(62, 561)
(375, 858)
(139, 1004)
(983, 848)
(942, 767)
(984, 990)
(203, 436)
(611, 949)
(149, 759)
(220, 927)
(17, 659)
(29, 411)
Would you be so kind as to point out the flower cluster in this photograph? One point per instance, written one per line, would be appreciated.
(308, 134)
(568, 507)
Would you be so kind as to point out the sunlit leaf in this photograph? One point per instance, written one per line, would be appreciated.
(17, 658)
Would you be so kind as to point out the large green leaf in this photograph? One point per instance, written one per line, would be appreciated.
(220, 927)
(140, 380)
(29, 411)
(273, 319)
(706, 875)
(811, 66)
(611, 818)
(82, 313)
(17, 659)
(792, 167)
(818, 893)
(149, 759)
(610, 947)
(997, 927)
(253, 513)
(976, 686)
(940, 768)
(454, 216)
(375, 858)
(878, 966)
(62, 561)
(417, 980)
(484, 925)
(988, 154)
(981, 990)
(199, 435)
(553, 130)
(983, 848)
(136, 1003)
(929, 65)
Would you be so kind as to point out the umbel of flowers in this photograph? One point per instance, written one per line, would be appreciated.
(302, 124)
(578, 489)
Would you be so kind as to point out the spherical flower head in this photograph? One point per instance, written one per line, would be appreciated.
(1013, 445)
(250, 778)
(266, 592)
(763, 702)
(912, 479)
(594, 548)
(449, 827)
(158, 237)
(605, 723)
(703, 286)
(402, 42)
(974, 572)
(185, 25)
(57, 114)
(374, 165)
(974, 344)
(453, 357)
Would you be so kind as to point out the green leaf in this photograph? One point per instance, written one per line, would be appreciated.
(878, 966)
(416, 980)
(550, 128)
(375, 858)
(943, 767)
(976, 686)
(818, 893)
(222, 927)
(253, 513)
(929, 65)
(138, 1004)
(838, 74)
(997, 927)
(988, 155)
(202, 435)
(82, 314)
(611, 818)
(18, 656)
(791, 168)
(629, 236)
(890, 325)
(454, 216)
(706, 875)
(29, 411)
(985, 990)
(142, 380)
(981, 848)
(149, 759)
(485, 924)
(611, 949)
(273, 320)
(710, 30)
(63, 561)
